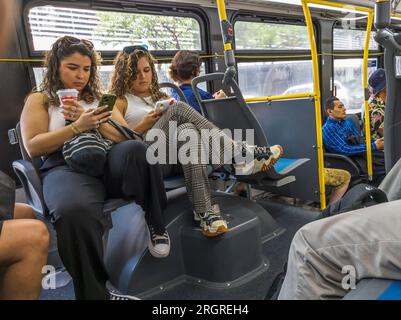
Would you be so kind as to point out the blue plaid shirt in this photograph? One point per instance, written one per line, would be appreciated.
(336, 133)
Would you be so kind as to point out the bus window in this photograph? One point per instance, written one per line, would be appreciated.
(107, 70)
(348, 78)
(352, 39)
(270, 36)
(272, 76)
(275, 77)
(348, 71)
(111, 31)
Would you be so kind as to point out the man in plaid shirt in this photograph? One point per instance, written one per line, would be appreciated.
(341, 136)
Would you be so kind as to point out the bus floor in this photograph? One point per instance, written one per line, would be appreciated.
(276, 250)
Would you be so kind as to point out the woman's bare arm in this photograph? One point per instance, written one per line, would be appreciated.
(36, 137)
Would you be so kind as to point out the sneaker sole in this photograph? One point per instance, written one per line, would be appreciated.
(117, 296)
(157, 254)
(219, 231)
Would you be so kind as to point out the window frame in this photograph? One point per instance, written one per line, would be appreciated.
(190, 12)
(184, 10)
(275, 19)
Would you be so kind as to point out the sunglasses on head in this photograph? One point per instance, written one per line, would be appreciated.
(131, 49)
(75, 41)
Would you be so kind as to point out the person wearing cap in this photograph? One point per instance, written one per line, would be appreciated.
(377, 103)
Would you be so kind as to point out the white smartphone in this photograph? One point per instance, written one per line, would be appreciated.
(164, 104)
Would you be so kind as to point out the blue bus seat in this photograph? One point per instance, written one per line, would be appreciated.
(375, 289)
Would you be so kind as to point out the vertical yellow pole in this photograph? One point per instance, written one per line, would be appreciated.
(223, 17)
(318, 112)
(222, 10)
(365, 85)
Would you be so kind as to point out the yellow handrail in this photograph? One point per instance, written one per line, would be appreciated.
(341, 5)
(365, 85)
(207, 56)
(318, 115)
(223, 17)
(315, 63)
(283, 97)
(222, 10)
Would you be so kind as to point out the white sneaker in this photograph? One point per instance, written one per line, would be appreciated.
(264, 159)
(159, 244)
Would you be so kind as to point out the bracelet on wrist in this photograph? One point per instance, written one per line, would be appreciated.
(75, 129)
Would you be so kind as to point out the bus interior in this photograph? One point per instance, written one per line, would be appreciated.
(276, 84)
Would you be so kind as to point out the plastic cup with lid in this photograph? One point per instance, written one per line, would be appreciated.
(67, 94)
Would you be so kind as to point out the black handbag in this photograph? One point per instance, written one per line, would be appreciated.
(125, 131)
(87, 153)
(7, 197)
(355, 140)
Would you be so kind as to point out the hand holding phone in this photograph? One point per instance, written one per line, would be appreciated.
(108, 100)
(163, 105)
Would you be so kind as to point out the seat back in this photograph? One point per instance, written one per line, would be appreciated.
(176, 89)
(27, 171)
(231, 112)
(35, 161)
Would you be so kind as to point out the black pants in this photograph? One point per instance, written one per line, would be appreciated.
(379, 170)
(76, 202)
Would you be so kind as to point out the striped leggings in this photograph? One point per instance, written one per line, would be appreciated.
(189, 123)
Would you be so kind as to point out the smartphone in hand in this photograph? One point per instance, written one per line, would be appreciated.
(164, 105)
(108, 100)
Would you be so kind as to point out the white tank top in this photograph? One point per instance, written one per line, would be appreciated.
(137, 109)
(56, 118)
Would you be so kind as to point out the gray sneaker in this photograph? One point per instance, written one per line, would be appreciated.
(211, 223)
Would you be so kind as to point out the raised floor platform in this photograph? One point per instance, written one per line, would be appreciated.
(227, 261)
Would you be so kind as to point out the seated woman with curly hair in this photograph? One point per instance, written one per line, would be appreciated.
(135, 83)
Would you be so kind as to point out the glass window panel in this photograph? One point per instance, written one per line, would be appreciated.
(348, 79)
(106, 71)
(113, 30)
(258, 79)
(270, 36)
(351, 39)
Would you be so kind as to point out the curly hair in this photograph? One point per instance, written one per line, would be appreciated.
(61, 49)
(185, 65)
(125, 70)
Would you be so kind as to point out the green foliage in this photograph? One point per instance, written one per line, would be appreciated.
(159, 32)
(252, 35)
